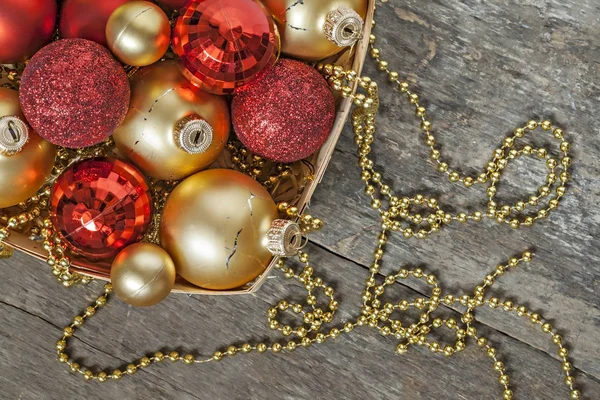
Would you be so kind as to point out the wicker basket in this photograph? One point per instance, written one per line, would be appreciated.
(353, 58)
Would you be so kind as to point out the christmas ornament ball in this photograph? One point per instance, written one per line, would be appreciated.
(287, 114)
(142, 274)
(172, 129)
(224, 44)
(87, 19)
(173, 4)
(314, 30)
(22, 172)
(214, 226)
(74, 93)
(25, 26)
(138, 33)
(99, 206)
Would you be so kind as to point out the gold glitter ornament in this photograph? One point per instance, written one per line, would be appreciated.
(26, 160)
(172, 129)
(142, 274)
(215, 225)
(314, 30)
(138, 33)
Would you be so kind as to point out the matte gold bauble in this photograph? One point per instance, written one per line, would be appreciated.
(312, 30)
(172, 129)
(215, 226)
(138, 33)
(142, 274)
(26, 160)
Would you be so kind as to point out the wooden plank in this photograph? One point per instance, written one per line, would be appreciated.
(33, 309)
(483, 69)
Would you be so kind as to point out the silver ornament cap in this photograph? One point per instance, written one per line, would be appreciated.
(14, 135)
(193, 134)
(343, 26)
(285, 238)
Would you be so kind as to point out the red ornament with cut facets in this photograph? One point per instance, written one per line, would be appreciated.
(224, 44)
(99, 206)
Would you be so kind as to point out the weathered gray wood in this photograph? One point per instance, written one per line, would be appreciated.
(484, 67)
(360, 366)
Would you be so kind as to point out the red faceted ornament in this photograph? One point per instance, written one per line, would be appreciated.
(224, 44)
(285, 115)
(74, 93)
(99, 206)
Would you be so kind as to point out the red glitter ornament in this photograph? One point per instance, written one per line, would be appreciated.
(287, 114)
(87, 19)
(224, 44)
(25, 26)
(74, 93)
(99, 206)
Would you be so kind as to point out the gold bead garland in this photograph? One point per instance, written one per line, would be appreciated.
(396, 217)
(374, 314)
(11, 75)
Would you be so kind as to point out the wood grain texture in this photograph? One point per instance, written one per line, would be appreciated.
(483, 68)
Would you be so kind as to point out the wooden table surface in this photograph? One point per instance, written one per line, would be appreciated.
(483, 68)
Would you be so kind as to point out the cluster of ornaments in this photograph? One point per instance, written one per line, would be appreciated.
(239, 63)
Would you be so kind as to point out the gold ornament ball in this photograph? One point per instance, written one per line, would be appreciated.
(302, 26)
(138, 33)
(23, 173)
(142, 274)
(163, 105)
(215, 225)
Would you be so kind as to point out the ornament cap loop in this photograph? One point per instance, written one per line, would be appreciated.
(285, 238)
(343, 26)
(193, 134)
(14, 134)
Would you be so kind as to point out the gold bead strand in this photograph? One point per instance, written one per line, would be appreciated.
(522, 311)
(363, 118)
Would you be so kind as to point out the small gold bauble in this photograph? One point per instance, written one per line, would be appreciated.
(215, 226)
(142, 274)
(138, 33)
(172, 129)
(26, 163)
(317, 29)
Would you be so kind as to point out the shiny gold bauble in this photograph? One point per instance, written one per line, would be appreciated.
(138, 33)
(22, 174)
(215, 225)
(301, 25)
(142, 274)
(161, 98)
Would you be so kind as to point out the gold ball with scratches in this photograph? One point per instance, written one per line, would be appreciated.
(138, 33)
(172, 128)
(25, 162)
(314, 30)
(142, 274)
(215, 226)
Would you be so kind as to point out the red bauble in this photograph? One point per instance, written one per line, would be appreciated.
(224, 44)
(74, 93)
(285, 115)
(25, 26)
(99, 206)
(86, 19)
(174, 4)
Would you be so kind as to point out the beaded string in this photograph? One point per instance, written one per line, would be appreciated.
(396, 217)
(374, 314)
